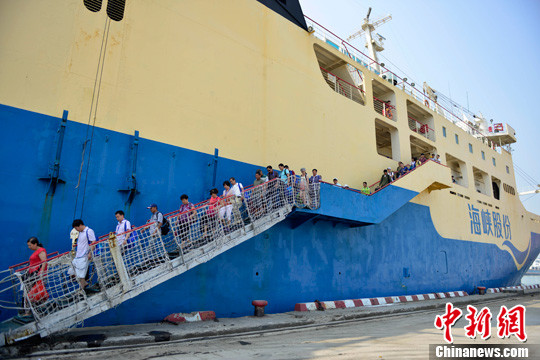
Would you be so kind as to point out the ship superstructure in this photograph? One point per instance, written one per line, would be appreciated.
(104, 112)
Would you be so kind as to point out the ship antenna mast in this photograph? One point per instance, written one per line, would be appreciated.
(373, 45)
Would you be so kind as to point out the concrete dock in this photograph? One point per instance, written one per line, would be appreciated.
(397, 331)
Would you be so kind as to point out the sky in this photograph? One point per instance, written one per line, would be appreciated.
(482, 53)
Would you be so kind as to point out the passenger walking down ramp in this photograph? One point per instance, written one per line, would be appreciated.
(149, 258)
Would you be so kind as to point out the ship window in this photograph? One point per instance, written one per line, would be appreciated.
(419, 147)
(470, 148)
(507, 169)
(443, 131)
(457, 139)
(458, 170)
(385, 135)
(481, 181)
(483, 155)
(345, 79)
(93, 5)
(494, 163)
(420, 121)
(509, 189)
(384, 99)
(115, 9)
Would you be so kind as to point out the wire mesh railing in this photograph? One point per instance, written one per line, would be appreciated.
(143, 254)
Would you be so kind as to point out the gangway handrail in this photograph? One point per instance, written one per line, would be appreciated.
(27, 261)
(125, 269)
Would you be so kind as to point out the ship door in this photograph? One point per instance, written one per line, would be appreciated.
(496, 190)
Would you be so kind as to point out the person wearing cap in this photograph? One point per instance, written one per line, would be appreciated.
(336, 183)
(391, 173)
(156, 220)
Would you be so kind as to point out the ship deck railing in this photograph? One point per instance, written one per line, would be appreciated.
(402, 82)
(126, 265)
(421, 129)
(343, 87)
(384, 108)
(374, 188)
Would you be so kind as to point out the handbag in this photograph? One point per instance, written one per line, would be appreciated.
(132, 237)
(38, 292)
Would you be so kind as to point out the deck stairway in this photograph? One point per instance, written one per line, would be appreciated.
(146, 259)
(362, 210)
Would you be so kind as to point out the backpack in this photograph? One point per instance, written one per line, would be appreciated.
(165, 227)
(132, 237)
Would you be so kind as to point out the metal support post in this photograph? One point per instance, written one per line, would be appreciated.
(119, 263)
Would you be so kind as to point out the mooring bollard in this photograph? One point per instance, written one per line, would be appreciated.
(259, 307)
(481, 290)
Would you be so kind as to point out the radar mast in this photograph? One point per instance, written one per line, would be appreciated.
(373, 45)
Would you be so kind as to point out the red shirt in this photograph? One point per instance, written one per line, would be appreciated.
(35, 261)
(213, 203)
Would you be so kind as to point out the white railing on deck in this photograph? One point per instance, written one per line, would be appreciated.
(56, 300)
(352, 52)
(385, 109)
(343, 87)
(421, 129)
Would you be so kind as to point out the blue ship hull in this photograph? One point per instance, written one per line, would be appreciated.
(327, 255)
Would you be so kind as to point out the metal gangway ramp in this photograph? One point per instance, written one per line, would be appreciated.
(146, 259)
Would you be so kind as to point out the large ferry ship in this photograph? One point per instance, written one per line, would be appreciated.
(115, 105)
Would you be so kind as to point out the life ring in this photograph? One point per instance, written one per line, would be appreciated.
(426, 103)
